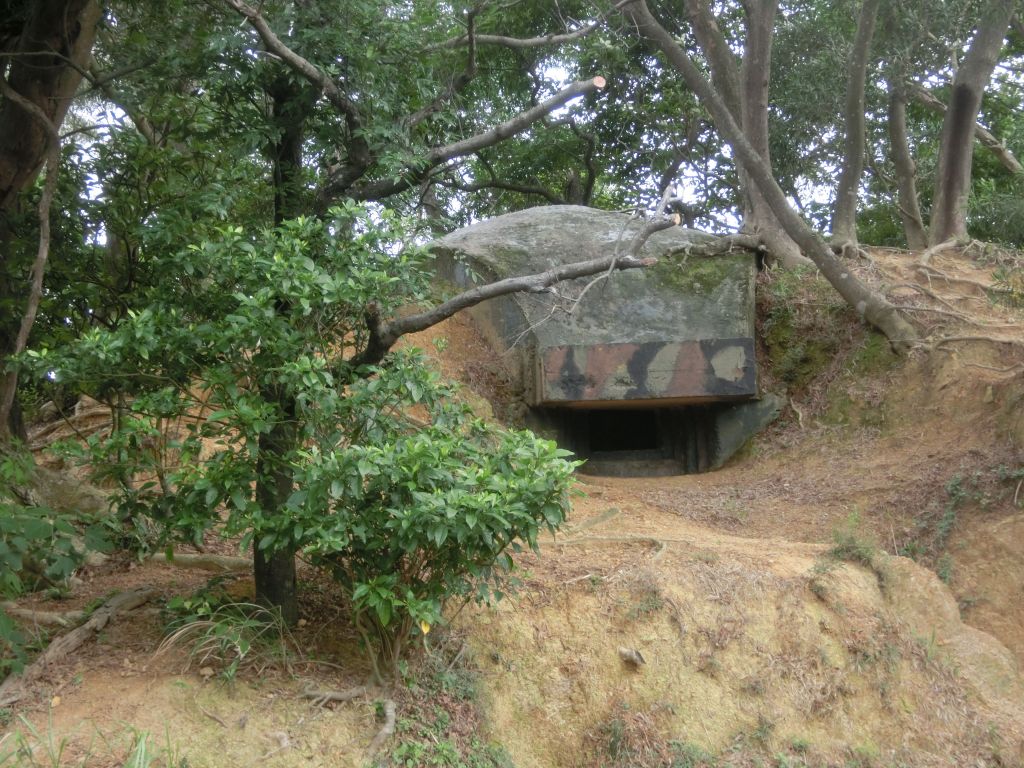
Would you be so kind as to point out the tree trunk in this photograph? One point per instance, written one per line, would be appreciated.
(274, 570)
(999, 150)
(743, 86)
(869, 305)
(906, 171)
(46, 60)
(844, 215)
(759, 217)
(956, 150)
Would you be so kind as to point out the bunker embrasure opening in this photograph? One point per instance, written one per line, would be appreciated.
(638, 441)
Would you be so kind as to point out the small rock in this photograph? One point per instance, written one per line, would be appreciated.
(631, 657)
(55, 701)
(206, 672)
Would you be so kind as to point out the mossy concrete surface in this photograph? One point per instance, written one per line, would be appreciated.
(643, 333)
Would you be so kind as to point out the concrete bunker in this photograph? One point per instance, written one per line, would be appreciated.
(650, 371)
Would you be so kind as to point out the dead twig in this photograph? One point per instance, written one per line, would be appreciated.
(939, 343)
(211, 715)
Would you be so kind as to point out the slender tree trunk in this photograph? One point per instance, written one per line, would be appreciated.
(956, 151)
(844, 215)
(743, 85)
(44, 70)
(759, 218)
(998, 149)
(274, 570)
(869, 305)
(906, 171)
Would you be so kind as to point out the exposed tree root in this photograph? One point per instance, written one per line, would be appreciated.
(939, 343)
(930, 294)
(321, 697)
(13, 688)
(386, 731)
(926, 256)
(44, 618)
(938, 273)
(205, 562)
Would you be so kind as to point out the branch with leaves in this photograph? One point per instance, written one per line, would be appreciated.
(437, 156)
(344, 180)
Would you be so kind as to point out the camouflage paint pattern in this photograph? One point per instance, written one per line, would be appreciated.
(680, 371)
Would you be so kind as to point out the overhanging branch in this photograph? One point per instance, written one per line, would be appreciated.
(437, 155)
(385, 332)
(520, 43)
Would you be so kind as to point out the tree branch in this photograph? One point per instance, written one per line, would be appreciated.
(384, 333)
(359, 156)
(508, 186)
(1003, 154)
(460, 81)
(520, 43)
(438, 155)
(870, 305)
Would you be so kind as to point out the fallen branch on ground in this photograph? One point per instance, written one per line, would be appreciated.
(13, 688)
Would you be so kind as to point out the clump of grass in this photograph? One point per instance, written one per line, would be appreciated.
(852, 545)
(27, 746)
(232, 636)
(631, 740)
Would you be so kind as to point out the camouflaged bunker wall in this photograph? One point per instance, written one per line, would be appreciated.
(648, 370)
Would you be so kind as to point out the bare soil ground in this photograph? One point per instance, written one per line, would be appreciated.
(778, 617)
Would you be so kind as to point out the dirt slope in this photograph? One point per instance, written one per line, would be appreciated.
(767, 640)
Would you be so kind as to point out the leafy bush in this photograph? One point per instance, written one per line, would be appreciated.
(416, 518)
(374, 472)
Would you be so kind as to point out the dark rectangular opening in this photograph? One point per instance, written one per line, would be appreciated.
(619, 430)
(670, 440)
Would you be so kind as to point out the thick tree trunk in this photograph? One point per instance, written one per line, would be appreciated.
(956, 151)
(844, 215)
(756, 76)
(44, 70)
(998, 149)
(869, 305)
(906, 171)
(743, 85)
(274, 570)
